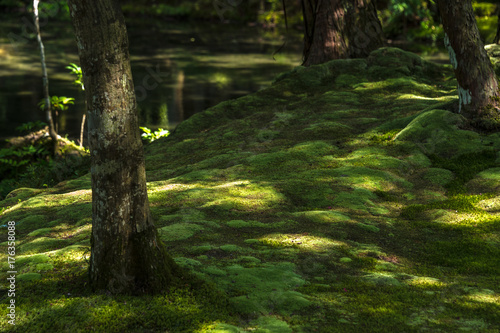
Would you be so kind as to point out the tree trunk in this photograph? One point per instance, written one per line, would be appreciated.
(362, 28)
(82, 127)
(127, 256)
(477, 84)
(339, 29)
(45, 80)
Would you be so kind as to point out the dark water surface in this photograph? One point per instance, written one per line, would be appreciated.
(179, 69)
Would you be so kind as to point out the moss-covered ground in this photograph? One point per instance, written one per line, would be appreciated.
(344, 198)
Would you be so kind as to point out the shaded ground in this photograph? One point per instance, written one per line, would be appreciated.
(344, 198)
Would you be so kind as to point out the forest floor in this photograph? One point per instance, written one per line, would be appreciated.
(344, 198)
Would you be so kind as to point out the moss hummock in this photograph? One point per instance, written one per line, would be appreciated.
(346, 197)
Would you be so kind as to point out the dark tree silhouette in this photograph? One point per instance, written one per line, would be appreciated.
(339, 29)
(127, 256)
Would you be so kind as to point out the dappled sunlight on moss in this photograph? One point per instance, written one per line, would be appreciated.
(302, 241)
(345, 197)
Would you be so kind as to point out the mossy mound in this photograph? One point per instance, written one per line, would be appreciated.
(342, 197)
(437, 132)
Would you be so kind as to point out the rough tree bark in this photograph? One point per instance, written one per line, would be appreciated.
(45, 80)
(477, 84)
(127, 256)
(339, 29)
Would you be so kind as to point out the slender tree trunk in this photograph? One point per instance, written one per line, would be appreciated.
(477, 84)
(127, 256)
(339, 29)
(45, 80)
(82, 127)
(178, 94)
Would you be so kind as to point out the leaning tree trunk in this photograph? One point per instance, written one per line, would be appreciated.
(45, 80)
(127, 256)
(339, 29)
(477, 84)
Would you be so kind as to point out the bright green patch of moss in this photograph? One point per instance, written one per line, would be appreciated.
(230, 248)
(382, 279)
(270, 325)
(179, 231)
(44, 267)
(40, 232)
(319, 216)
(28, 277)
(436, 132)
(42, 244)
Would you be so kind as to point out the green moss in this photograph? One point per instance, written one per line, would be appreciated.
(22, 193)
(382, 279)
(33, 259)
(213, 270)
(346, 80)
(225, 328)
(439, 176)
(187, 262)
(40, 232)
(436, 132)
(270, 325)
(323, 216)
(244, 224)
(28, 277)
(42, 244)
(465, 167)
(327, 130)
(230, 248)
(44, 267)
(179, 231)
(201, 249)
(31, 222)
(368, 227)
(329, 175)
